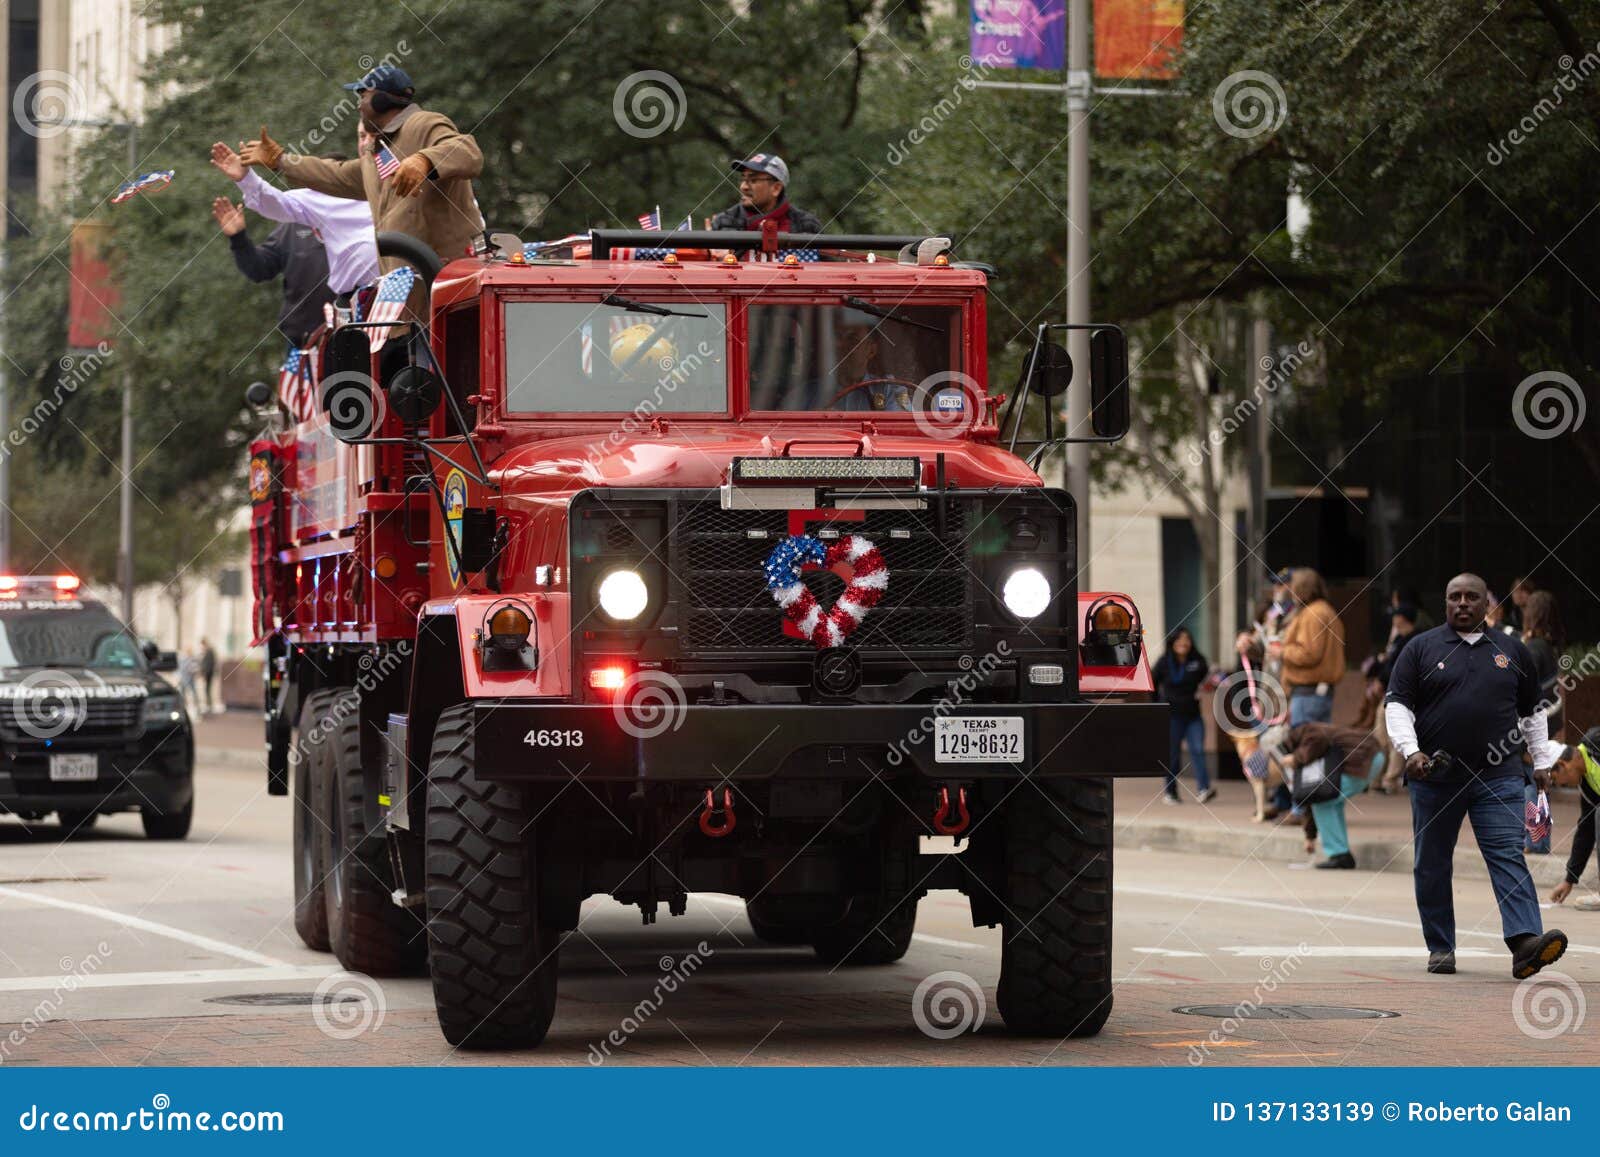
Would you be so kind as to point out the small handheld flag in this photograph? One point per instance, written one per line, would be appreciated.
(295, 384)
(386, 162)
(159, 179)
(651, 220)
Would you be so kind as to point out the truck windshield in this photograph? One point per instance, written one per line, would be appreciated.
(857, 355)
(591, 357)
(64, 636)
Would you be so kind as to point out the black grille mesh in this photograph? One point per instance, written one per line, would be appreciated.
(727, 606)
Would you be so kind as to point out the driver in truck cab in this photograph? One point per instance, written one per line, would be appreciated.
(859, 369)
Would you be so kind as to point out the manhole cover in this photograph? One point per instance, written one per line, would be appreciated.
(285, 999)
(1285, 1012)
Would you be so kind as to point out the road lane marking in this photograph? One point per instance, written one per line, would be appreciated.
(1167, 952)
(193, 976)
(1353, 951)
(1324, 913)
(143, 925)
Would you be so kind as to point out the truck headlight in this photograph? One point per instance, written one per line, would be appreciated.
(1026, 592)
(162, 711)
(623, 595)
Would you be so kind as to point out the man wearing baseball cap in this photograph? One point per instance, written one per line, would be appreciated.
(1578, 766)
(416, 174)
(763, 196)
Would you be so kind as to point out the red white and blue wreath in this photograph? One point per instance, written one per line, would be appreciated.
(870, 578)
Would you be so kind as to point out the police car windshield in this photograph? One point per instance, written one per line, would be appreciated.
(884, 355)
(64, 633)
(572, 357)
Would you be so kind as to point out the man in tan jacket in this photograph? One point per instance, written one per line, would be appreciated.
(1312, 651)
(416, 175)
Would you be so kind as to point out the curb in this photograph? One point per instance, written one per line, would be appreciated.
(1279, 844)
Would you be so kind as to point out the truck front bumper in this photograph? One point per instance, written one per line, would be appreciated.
(517, 740)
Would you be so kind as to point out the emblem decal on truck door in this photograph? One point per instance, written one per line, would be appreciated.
(455, 503)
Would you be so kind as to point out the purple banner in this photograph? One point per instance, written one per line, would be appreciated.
(1019, 33)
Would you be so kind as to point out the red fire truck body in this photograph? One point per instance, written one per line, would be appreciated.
(522, 585)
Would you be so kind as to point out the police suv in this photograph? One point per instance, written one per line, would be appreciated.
(87, 726)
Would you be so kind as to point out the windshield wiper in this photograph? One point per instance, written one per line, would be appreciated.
(616, 302)
(866, 306)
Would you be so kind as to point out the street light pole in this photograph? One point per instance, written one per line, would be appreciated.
(1080, 81)
(125, 538)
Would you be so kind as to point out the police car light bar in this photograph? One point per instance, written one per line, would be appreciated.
(897, 471)
(10, 584)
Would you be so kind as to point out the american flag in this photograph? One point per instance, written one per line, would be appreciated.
(651, 220)
(386, 162)
(296, 384)
(130, 189)
(800, 254)
(394, 288)
(686, 223)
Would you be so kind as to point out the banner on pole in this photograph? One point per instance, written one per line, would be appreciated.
(93, 296)
(1137, 39)
(1019, 33)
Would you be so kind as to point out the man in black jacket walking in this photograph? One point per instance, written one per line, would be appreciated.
(291, 251)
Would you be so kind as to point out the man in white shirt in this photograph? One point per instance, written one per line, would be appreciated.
(1463, 710)
(345, 226)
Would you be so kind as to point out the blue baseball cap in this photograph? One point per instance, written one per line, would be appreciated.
(385, 78)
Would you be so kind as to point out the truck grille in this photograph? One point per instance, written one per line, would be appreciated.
(717, 565)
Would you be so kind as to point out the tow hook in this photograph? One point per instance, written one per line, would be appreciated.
(941, 817)
(708, 823)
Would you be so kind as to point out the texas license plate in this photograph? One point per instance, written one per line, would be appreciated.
(978, 739)
(74, 768)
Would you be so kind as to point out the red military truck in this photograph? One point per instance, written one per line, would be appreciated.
(647, 572)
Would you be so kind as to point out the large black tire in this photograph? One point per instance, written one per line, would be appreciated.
(369, 932)
(310, 906)
(493, 963)
(168, 825)
(870, 933)
(74, 821)
(1055, 959)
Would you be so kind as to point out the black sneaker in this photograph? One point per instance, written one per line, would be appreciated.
(1538, 952)
(1443, 963)
(1342, 860)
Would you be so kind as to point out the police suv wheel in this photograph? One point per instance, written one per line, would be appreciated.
(1055, 957)
(310, 909)
(368, 931)
(493, 962)
(168, 825)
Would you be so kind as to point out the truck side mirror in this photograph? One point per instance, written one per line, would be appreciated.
(1109, 409)
(415, 393)
(348, 351)
(1052, 370)
(258, 395)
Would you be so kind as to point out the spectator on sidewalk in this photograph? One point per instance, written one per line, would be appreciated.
(1523, 588)
(1179, 673)
(1348, 755)
(188, 688)
(208, 675)
(1579, 766)
(1312, 651)
(1544, 636)
(1495, 617)
(1402, 628)
(1459, 697)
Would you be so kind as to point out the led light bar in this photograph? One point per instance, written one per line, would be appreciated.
(900, 471)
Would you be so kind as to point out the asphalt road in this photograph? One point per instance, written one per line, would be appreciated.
(117, 950)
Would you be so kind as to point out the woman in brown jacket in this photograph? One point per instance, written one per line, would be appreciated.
(1312, 650)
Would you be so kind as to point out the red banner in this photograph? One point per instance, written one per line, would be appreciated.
(1137, 39)
(93, 297)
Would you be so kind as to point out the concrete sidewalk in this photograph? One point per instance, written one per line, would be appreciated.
(1380, 831)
